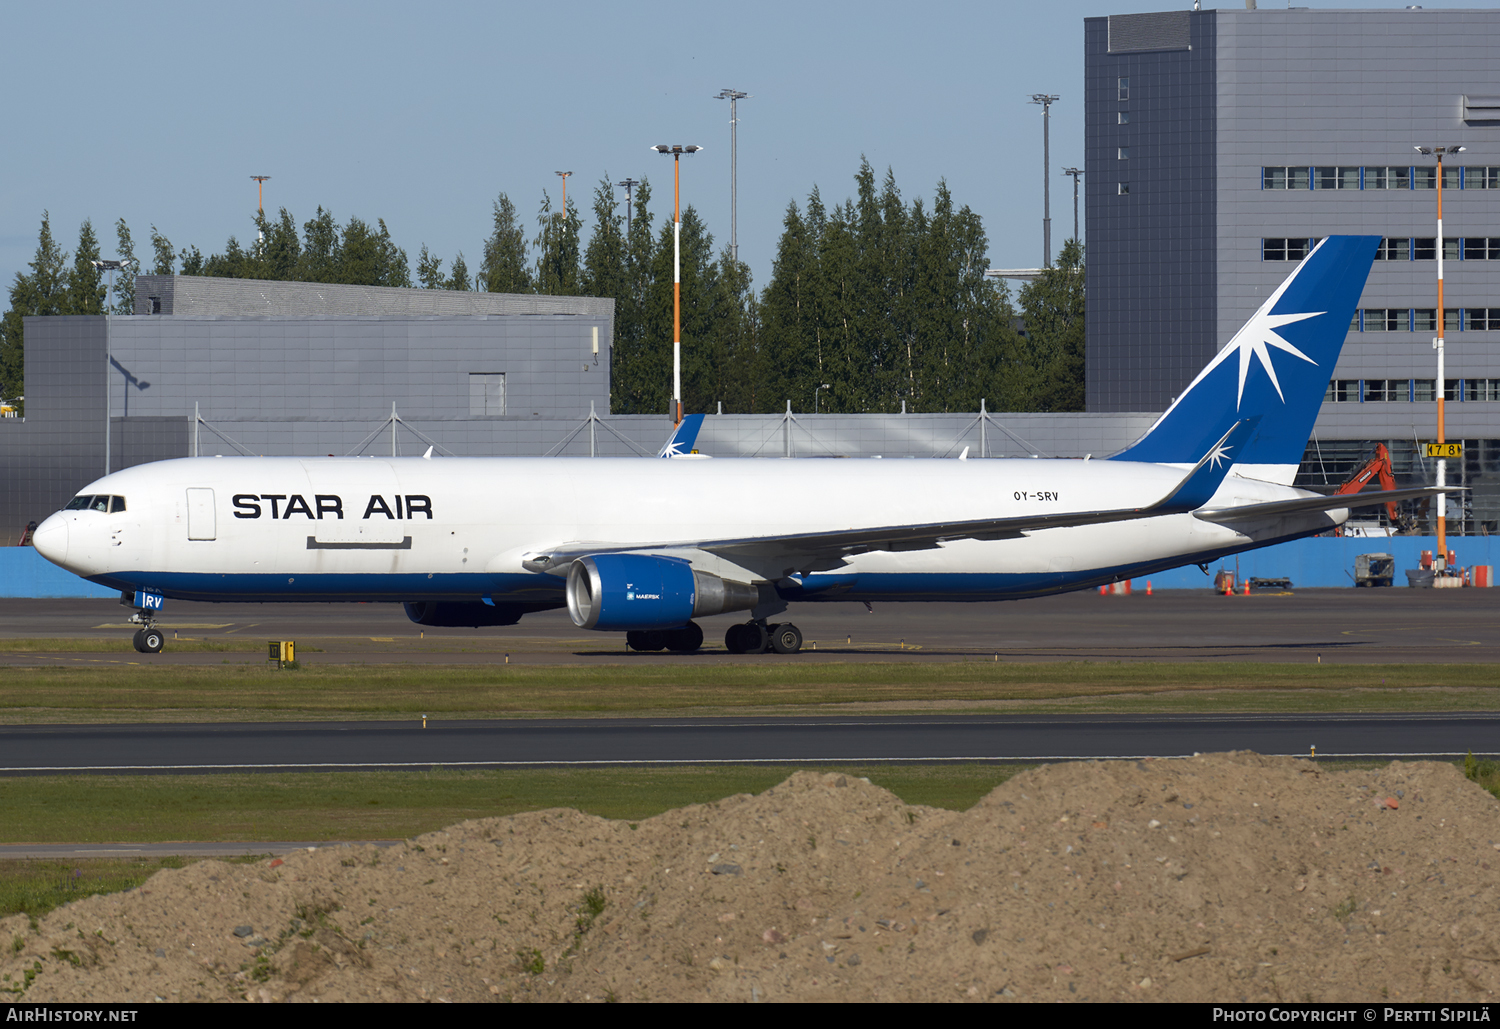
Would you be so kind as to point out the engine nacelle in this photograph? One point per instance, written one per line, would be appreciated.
(644, 591)
(455, 614)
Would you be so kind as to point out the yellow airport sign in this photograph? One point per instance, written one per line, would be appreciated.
(1448, 450)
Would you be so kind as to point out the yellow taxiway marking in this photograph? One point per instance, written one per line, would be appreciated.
(382, 639)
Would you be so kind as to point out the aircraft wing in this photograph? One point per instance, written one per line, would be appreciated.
(826, 549)
(1332, 503)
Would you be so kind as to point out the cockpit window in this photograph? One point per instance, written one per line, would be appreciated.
(96, 502)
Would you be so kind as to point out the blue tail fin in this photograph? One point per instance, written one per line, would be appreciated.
(683, 439)
(1276, 367)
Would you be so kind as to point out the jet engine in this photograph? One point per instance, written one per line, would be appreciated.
(455, 614)
(644, 591)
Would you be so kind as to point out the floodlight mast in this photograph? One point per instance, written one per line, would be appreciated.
(733, 96)
(1046, 100)
(260, 205)
(676, 150)
(629, 185)
(1075, 172)
(564, 177)
(1440, 559)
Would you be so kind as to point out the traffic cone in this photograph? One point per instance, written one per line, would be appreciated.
(1247, 587)
(1148, 587)
(1103, 591)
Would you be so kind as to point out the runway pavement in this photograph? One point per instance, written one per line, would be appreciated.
(1349, 625)
(325, 746)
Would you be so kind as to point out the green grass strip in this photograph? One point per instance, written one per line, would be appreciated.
(239, 691)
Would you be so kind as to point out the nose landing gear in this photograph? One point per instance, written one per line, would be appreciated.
(148, 640)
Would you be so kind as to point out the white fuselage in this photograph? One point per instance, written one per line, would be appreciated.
(409, 529)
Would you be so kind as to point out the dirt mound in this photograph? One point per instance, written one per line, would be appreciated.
(1221, 877)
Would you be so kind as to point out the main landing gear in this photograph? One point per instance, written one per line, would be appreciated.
(684, 640)
(758, 637)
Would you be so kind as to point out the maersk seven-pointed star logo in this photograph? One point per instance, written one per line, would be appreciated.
(1254, 338)
(1218, 454)
(1258, 333)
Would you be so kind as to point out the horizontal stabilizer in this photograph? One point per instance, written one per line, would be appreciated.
(1333, 503)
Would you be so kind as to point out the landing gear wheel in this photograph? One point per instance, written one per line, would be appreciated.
(786, 638)
(747, 638)
(686, 639)
(645, 640)
(149, 641)
(135, 641)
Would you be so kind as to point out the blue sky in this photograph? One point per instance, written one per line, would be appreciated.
(423, 114)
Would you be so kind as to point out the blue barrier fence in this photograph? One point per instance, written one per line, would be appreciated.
(1322, 561)
(1327, 560)
(25, 573)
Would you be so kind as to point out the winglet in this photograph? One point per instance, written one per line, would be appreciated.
(683, 439)
(1203, 481)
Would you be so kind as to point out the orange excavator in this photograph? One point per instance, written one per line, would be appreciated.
(1377, 466)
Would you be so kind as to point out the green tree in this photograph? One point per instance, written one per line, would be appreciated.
(504, 269)
(41, 291)
(556, 242)
(125, 282)
(459, 280)
(278, 251)
(320, 244)
(789, 311)
(604, 262)
(166, 257)
(430, 270)
(193, 262)
(632, 390)
(85, 290)
(1054, 309)
(368, 257)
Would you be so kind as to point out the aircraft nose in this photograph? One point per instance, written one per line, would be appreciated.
(51, 539)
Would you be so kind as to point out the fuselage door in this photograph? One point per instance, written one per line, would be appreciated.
(200, 514)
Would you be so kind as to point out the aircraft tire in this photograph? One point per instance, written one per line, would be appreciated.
(151, 641)
(685, 640)
(135, 641)
(786, 638)
(734, 639)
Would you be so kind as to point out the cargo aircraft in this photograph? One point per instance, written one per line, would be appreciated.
(648, 546)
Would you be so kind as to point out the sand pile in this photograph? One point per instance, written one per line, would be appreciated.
(1222, 877)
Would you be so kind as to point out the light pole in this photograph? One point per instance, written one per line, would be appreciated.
(1075, 172)
(629, 185)
(1440, 559)
(260, 204)
(676, 150)
(815, 395)
(564, 177)
(1046, 100)
(733, 96)
(111, 267)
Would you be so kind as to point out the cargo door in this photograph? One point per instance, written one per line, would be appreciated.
(200, 514)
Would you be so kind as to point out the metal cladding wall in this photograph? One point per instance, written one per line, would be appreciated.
(1151, 254)
(1278, 88)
